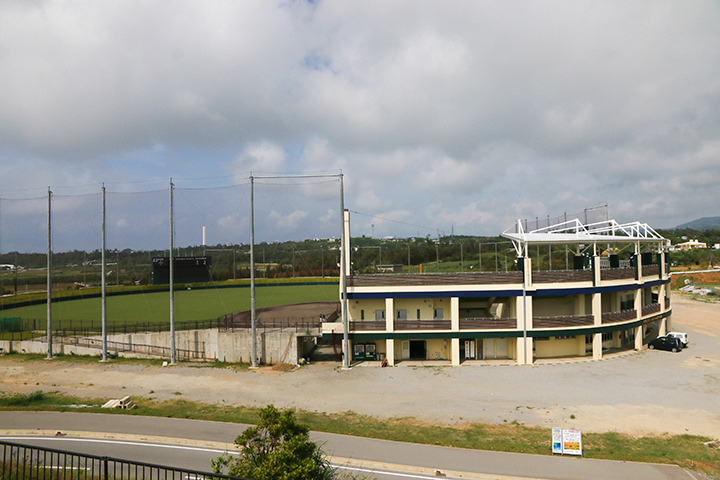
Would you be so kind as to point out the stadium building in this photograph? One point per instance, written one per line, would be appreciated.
(615, 296)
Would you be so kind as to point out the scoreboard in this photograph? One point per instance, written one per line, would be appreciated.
(185, 270)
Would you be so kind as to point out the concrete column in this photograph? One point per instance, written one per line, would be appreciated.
(638, 309)
(390, 351)
(662, 257)
(455, 314)
(663, 330)
(638, 338)
(596, 270)
(455, 327)
(390, 314)
(455, 351)
(597, 321)
(524, 323)
(661, 297)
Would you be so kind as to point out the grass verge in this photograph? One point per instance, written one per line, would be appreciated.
(687, 451)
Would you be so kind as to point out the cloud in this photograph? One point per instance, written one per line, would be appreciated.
(261, 158)
(290, 221)
(471, 116)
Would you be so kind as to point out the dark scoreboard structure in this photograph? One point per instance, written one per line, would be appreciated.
(185, 270)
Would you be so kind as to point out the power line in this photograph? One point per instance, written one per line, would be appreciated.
(395, 221)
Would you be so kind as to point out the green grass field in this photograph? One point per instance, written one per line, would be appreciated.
(190, 305)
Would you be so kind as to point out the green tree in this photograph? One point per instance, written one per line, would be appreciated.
(279, 448)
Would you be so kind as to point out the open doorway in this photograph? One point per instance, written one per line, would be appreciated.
(418, 350)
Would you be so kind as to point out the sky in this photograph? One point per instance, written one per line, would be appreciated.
(442, 117)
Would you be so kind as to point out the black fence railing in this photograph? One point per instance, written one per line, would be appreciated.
(88, 328)
(25, 462)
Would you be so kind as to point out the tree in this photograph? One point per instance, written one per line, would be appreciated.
(279, 448)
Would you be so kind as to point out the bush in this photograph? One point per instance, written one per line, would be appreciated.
(279, 448)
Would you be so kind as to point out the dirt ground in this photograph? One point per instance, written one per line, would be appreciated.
(646, 392)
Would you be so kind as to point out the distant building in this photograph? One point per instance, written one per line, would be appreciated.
(690, 245)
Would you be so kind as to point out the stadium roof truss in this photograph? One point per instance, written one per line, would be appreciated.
(575, 232)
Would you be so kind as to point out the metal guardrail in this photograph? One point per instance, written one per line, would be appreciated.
(112, 346)
(26, 462)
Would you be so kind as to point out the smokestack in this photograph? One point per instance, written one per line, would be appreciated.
(204, 244)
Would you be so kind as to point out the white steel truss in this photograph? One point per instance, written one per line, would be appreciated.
(575, 232)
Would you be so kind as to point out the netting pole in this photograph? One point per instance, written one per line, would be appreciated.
(173, 358)
(103, 285)
(253, 326)
(49, 276)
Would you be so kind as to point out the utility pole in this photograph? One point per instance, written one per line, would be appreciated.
(343, 263)
(49, 277)
(103, 283)
(344, 253)
(16, 272)
(253, 322)
(173, 358)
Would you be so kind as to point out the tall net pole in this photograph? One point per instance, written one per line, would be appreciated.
(344, 252)
(49, 277)
(173, 358)
(253, 326)
(102, 282)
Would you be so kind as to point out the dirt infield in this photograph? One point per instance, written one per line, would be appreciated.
(642, 392)
(292, 313)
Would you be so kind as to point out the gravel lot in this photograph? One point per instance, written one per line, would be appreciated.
(636, 392)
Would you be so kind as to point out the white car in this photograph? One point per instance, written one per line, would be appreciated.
(683, 337)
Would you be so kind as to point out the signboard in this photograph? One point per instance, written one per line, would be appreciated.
(557, 440)
(566, 441)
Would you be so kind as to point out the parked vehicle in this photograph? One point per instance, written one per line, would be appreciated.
(683, 337)
(666, 343)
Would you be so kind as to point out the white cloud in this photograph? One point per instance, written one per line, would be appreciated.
(290, 221)
(487, 111)
(261, 158)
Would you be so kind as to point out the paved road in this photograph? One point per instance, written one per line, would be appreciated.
(419, 460)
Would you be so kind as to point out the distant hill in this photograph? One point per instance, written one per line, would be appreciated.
(704, 223)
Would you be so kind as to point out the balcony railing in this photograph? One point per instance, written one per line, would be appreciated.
(650, 309)
(617, 273)
(651, 270)
(487, 323)
(563, 321)
(562, 276)
(422, 325)
(412, 279)
(495, 278)
(617, 317)
(490, 323)
(367, 325)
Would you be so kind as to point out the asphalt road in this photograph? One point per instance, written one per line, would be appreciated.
(191, 443)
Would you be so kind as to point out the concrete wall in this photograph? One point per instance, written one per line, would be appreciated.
(274, 346)
(555, 347)
(553, 306)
